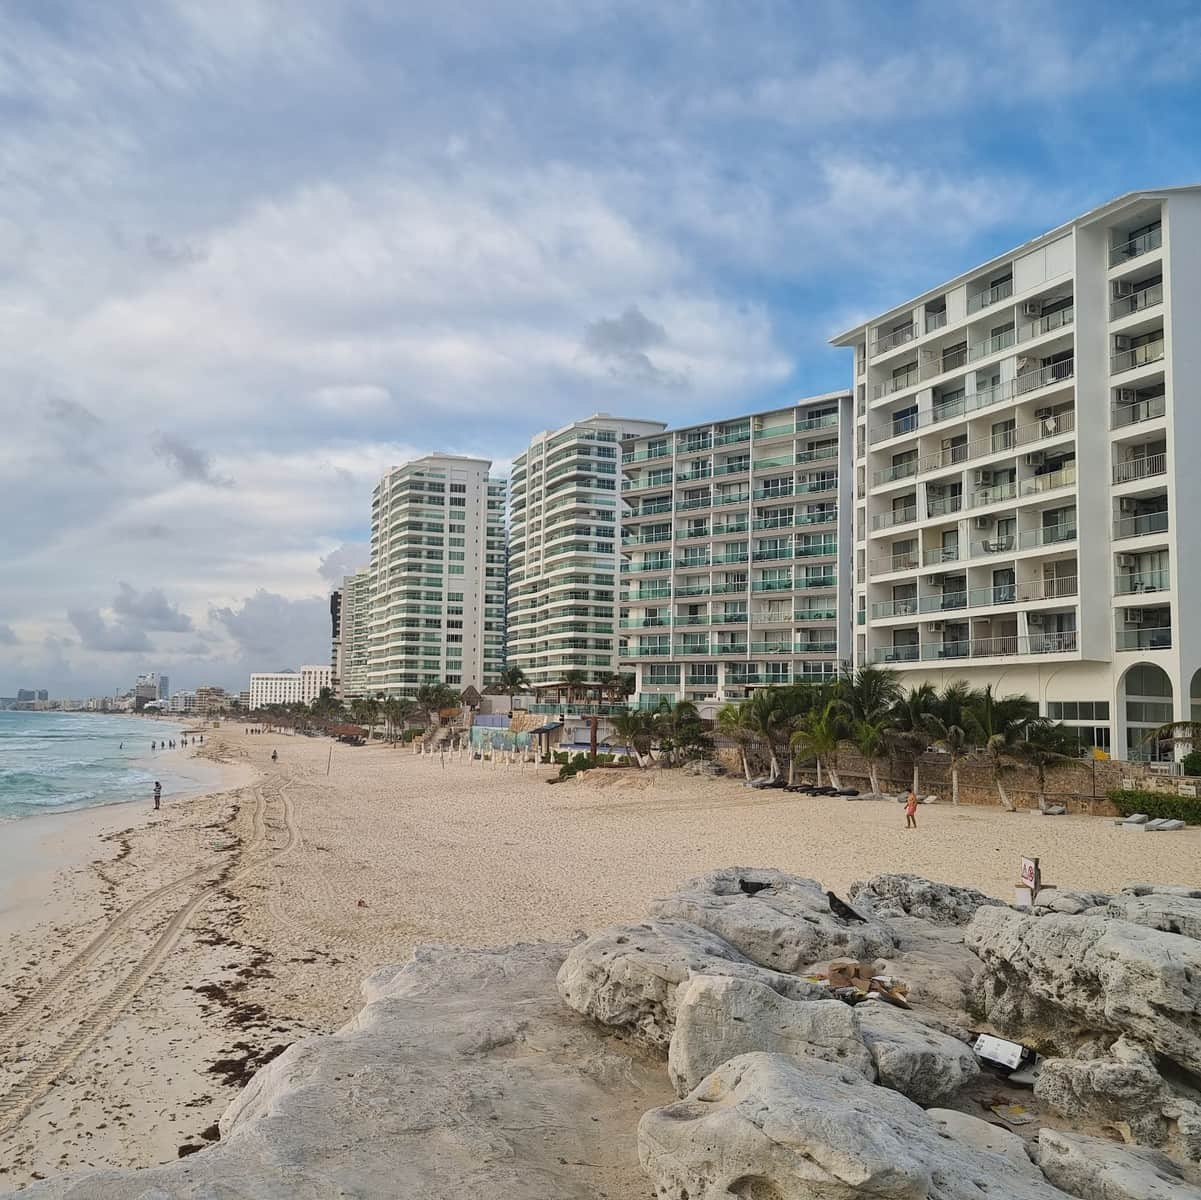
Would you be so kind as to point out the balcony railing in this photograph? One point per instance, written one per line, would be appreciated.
(1136, 246)
(895, 562)
(1142, 524)
(817, 454)
(898, 383)
(730, 527)
(1144, 639)
(825, 421)
(993, 295)
(992, 345)
(1136, 411)
(687, 505)
(943, 506)
(1140, 468)
(772, 585)
(694, 445)
(935, 320)
(1124, 306)
(899, 516)
(1060, 588)
(1049, 481)
(940, 554)
(773, 493)
(646, 453)
(1136, 356)
(1137, 583)
(997, 647)
(1025, 383)
(733, 468)
(732, 437)
(1029, 539)
(695, 474)
(770, 431)
(894, 337)
(815, 549)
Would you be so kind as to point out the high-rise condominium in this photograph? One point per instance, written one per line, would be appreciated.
(1024, 497)
(437, 577)
(563, 551)
(732, 574)
(352, 643)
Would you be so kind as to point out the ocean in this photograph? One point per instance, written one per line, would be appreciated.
(50, 762)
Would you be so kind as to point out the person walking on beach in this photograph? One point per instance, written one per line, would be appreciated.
(158, 795)
(274, 756)
(911, 810)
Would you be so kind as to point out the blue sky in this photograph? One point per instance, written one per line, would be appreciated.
(251, 254)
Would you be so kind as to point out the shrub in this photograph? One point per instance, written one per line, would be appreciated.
(1190, 764)
(1157, 804)
(561, 756)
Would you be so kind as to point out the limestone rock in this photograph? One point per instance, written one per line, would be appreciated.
(1065, 900)
(1057, 978)
(628, 976)
(1122, 1089)
(922, 1063)
(1096, 1169)
(911, 895)
(976, 1134)
(786, 926)
(764, 1127)
(464, 1076)
(1168, 912)
(718, 1018)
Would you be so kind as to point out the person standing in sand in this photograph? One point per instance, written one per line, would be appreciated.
(158, 795)
(911, 810)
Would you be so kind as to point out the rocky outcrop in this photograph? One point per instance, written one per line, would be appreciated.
(764, 1127)
(922, 1063)
(1066, 900)
(911, 895)
(464, 1076)
(1057, 979)
(1167, 911)
(719, 1018)
(976, 1134)
(627, 977)
(1095, 1169)
(787, 923)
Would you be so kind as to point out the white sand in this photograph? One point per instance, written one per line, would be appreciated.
(464, 853)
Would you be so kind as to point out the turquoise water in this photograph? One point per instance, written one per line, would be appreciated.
(55, 761)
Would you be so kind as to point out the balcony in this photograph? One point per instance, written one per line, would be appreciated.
(898, 383)
(896, 654)
(1138, 583)
(686, 534)
(732, 437)
(815, 549)
(1136, 356)
(688, 505)
(640, 568)
(644, 623)
(730, 527)
(772, 431)
(646, 454)
(648, 652)
(807, 487)
(1002, 647)
(776, 493)
(937, 556)
(738, 467)
(644, 539)
(895, 562)
(733, 556)
(695, 474)
(808, 582)
(1140, 468)
(772, 585)
(1141, 524)
(776, 552)
(1135, 302)
(817, 454)
(733, 498)
(1134, 412)
(1135, 247)
(1028, 381)
(694, 445)
(1144, 639)
(898, 516)
(1050, 481)
(992, 345)
(781, 460)
(694, 589)
(989, 297)
(825, 421)
(895, 337)
(943, 506)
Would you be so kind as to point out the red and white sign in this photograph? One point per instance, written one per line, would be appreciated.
(1029, 872)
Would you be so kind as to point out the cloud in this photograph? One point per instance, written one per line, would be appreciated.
(622, 344)
(274, 631)
(97, 634)
(72, 414)
(343, 561)
(8, 636)
(150, 610)
(190, 462)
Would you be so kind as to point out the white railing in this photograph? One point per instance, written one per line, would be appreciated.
(994, 295)
(898, 383)
(1140, 468)
(899, 516)
(997, 647)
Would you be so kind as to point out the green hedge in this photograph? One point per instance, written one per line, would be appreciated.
(1157, 804)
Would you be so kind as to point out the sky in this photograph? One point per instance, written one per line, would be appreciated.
(253, 253)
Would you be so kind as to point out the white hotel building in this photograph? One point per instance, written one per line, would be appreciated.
(1025, 507)
(437, 586)
(733, 574)
(288, 687)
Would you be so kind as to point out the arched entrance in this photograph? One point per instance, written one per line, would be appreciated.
(1194, 696)
(1145, 697)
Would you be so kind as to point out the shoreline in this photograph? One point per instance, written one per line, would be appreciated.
(280, 894)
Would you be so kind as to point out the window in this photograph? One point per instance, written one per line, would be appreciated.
(458, 487)
(459, 501)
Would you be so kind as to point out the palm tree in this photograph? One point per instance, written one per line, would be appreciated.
(998, 725)
(573, 680)
(818, 735)
(956, 742)
(870, 693)
(870, 740)
(1046, 744)
(513, 679)
(769, 713)
(910, 735)
(635, 728)
(396, 714)
(733, 722)
(681, 731)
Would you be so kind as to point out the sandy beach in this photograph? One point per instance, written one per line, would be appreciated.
(150, 962)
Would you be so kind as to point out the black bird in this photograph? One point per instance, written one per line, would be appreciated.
(841, 909)
(751, 888)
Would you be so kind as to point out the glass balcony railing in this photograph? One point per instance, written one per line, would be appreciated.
(894, 337)
(1144, 639)
(990, 296)
(1136, 356)
(1133, 412)
(1062, 642)
(1135, 247)
(1141, 524)
(1137, 583)
(1134, 302)
(732, 437)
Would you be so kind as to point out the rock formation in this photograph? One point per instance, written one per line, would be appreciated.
(1095, 1169)
(911, 895)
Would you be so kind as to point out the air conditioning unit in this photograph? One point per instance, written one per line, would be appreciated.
(984, 522)
(1043, 414)
(934, 626)
(1127, 396)
(1122, 287)
(1120, 342)
(983, 478)
(1035, 458)
(936, 580)
(1035, 620)
(1032, 308)
(1127, 562)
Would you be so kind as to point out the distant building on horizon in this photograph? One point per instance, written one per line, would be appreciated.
(352, 634)
(437, 579)
(288, 687)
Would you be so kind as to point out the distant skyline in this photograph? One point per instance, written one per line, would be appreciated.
(254, 254)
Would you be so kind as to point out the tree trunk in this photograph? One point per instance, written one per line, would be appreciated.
(791, 767)
(1006, 803)
(819, 772)
(916, 777)
(874, 775)
(775, 766)
(746, 763)
(954, 783)
(834, 780)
